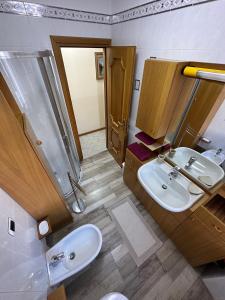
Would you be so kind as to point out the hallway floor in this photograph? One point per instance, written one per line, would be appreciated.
(165, 275)
(93, 143)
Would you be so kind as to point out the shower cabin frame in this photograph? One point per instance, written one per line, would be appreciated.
(56, 97)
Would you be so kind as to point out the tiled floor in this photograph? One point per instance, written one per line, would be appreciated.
(165, 275)
(93, 143)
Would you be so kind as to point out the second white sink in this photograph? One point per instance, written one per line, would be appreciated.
(172, 195)
(200, 168)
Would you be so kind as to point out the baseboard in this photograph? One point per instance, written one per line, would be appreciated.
(92, 131)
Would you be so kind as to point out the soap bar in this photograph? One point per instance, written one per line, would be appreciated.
(207, 180)
(194, 189)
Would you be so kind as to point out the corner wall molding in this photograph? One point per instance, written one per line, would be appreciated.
(145, 10)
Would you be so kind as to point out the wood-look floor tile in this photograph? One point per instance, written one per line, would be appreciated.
(92, 205)
(165, 275)
(119, 252)
(181, 284)
(166, 250)
(197, 291)
(142, 290)
(155, 292)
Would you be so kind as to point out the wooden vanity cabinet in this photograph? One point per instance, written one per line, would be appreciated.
(198, 242)
(201, 237)
(162, 84)
(199, 232)
(132, 164)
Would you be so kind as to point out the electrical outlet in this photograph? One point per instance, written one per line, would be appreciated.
(11, 227)
(137, 84)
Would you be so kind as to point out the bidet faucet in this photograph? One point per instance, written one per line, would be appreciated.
(190, 162)
(55, 259)
(174, 173)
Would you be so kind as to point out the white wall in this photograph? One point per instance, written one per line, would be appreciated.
(86, 91)
(23, 272)
(120, 5)
(23, 33)
(193, 33)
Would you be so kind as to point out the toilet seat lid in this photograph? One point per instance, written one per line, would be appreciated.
(114, 296)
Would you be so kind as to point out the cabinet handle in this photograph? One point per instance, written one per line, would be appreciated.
(217, 229)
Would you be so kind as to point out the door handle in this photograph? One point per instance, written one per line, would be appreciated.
(114, 149)
(122, 124)
(119, 123)
(113, 122)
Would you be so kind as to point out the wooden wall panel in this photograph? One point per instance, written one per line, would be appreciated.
(22, 175)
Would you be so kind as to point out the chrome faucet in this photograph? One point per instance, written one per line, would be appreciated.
(190, 162)
(55, 259)
(174, 173)
(218, 151)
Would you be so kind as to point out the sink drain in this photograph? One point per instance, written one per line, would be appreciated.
(72, 255)
(164, 186)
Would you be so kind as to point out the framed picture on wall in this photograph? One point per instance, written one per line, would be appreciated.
(99, 65)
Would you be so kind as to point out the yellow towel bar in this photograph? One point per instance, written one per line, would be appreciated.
(204, 73)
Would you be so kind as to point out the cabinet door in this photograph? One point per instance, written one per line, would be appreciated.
(161, 84)
(130, 179)
(164, 218)
(215, 225)
(197, 243)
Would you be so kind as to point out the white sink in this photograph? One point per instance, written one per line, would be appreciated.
(201, 167)
(176, 197)
(216, 158)
(84, 243)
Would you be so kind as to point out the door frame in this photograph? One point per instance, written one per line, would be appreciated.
(77, 42)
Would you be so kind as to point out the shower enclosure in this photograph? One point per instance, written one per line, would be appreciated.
(33, 80)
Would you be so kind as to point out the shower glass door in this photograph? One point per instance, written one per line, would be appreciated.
(34, 83)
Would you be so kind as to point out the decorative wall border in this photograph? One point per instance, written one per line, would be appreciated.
(41, 10)
(153, 8)
(148, 9)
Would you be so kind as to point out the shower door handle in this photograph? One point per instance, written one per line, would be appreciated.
(66, 142)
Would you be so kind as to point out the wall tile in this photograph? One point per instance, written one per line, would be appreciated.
(190, 34)
(23, 263)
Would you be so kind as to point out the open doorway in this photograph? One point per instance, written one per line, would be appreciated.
(119, 62)
(84, 69)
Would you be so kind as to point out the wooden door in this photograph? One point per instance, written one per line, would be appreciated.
(119, 81)
(22, 174)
